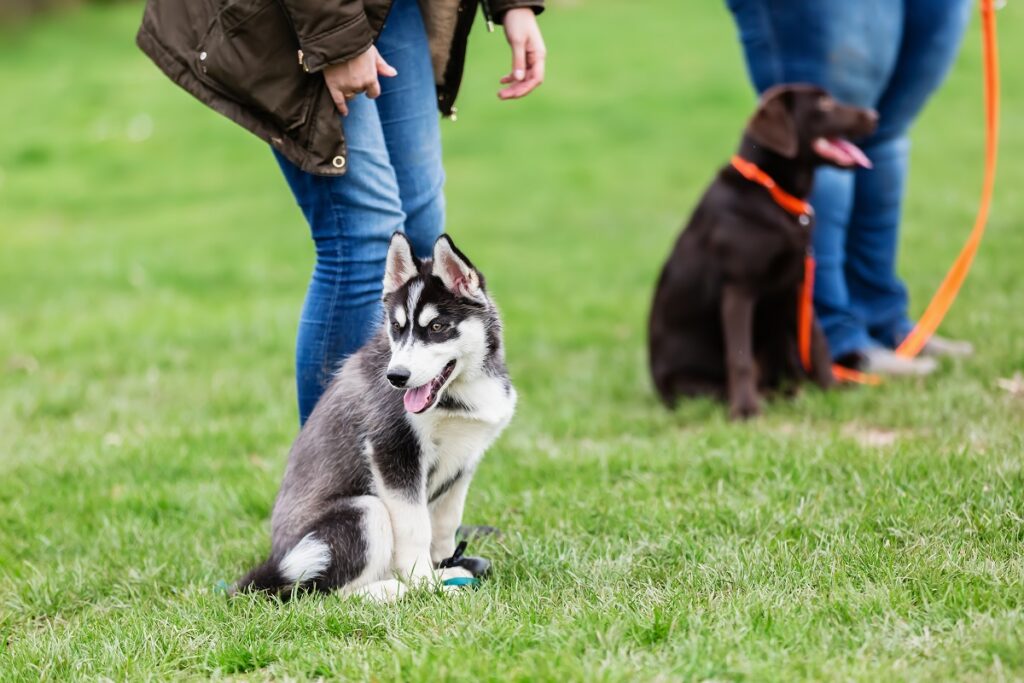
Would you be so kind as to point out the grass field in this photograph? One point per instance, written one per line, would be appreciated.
(152, 265)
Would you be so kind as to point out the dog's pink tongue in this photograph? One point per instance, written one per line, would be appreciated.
(855, 153)
(842, 152)
(416, 399)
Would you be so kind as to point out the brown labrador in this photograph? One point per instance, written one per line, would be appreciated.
(724, 318)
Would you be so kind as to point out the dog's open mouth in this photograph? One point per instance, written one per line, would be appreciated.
(841, 152)
(422, 398)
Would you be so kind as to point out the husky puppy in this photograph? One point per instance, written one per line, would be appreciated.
(377, 479)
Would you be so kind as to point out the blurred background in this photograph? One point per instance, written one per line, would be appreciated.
(152, 269)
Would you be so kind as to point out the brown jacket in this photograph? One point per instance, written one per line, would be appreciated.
(257, 61)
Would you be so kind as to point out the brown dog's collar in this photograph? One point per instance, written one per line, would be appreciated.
(798, 207)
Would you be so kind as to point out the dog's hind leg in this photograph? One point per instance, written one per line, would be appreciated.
(377, 581)
(371, 583)
(361, 544)
(350, 545)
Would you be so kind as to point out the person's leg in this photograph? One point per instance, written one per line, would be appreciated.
(832, 200)
(409, 118)
(933, 30)
(850, 49)
(351, 219)
(876, 293)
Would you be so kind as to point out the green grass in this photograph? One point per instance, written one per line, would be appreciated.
(152, 265)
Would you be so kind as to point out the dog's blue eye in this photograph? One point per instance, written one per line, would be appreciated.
(436, 327)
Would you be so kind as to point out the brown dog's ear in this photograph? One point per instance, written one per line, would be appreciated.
(772, 125)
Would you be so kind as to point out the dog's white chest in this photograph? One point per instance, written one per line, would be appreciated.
(459, 439)
(462, 442)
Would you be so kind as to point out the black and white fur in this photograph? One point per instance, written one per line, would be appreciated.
(373, 493)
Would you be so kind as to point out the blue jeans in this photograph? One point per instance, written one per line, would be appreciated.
(887, 54)
(394, 183)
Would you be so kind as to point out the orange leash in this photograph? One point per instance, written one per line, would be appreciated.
(805, 304)
(805, 313)
(950, 287)
(851, 376)
(805, 322)
(944, 297)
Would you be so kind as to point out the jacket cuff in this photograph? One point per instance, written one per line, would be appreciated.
(500, 7)
(339, 44)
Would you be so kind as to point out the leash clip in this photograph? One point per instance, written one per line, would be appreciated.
(453, 561)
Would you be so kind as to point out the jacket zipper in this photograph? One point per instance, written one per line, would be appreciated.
(453, 74)
(446, 99)
(485, 7)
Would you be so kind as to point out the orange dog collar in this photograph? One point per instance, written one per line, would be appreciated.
(798, 207)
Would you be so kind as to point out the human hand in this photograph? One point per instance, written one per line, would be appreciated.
(528, 53)
(359, 74)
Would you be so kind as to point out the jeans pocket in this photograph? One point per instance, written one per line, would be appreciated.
(250, 54)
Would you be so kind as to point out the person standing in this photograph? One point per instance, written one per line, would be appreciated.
(347, 94)
(890, 55)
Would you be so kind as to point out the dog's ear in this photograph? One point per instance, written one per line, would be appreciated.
(773, 126)
(401, 266)
(456, 272)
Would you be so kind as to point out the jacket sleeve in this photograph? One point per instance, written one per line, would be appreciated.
(499, 7)
(329, 31)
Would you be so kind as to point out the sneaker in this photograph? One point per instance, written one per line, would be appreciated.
(952, 348)
(881, 361)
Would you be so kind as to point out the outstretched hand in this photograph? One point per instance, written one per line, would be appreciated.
(528, 53)
(358, 75)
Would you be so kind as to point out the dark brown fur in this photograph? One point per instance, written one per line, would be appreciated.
(724, 318)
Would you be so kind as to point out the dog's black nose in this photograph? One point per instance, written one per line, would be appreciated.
(398, 376)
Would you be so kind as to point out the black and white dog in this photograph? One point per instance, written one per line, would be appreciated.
(376, 481)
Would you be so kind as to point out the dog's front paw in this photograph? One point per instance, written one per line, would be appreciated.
(744, 408)
(387, 591)
(419, 579)
(454, 573)
(416, 573)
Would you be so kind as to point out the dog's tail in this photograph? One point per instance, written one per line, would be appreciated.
(300, 567)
